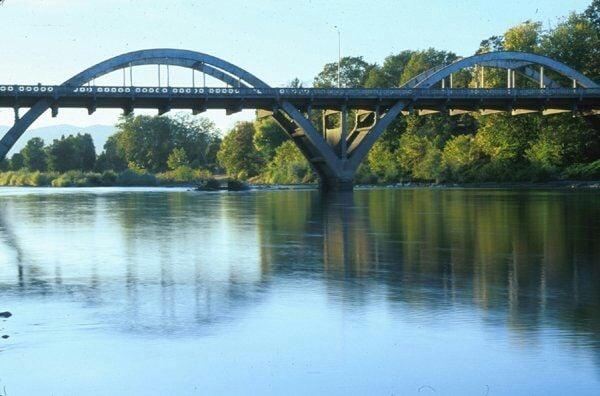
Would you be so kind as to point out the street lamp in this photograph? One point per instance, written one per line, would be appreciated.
(339, 56)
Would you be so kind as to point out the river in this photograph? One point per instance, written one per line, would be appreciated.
(383, 291)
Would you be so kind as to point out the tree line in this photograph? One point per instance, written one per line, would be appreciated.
(438, 147)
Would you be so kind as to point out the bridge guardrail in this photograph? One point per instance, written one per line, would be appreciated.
(333, 93)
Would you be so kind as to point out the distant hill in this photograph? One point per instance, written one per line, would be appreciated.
(100, 134)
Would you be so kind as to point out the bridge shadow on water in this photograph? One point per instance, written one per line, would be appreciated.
(183, 263)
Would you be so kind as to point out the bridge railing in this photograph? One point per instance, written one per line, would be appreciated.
(327, 93)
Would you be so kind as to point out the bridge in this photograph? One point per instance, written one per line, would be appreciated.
(334, 153)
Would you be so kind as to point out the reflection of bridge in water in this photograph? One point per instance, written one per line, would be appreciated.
(334, 152)
(356, 245)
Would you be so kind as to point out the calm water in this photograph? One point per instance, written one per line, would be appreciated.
(164, 292)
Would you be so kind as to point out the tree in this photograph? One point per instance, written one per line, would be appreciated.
(288, 166)
(523, 37)
(147, 141)
(459, 158)
(576, 42)
(112, 158)
(17, 162)
(34, 155)
(268, 137)
(62, 155)
(421, 61)
(177, 158)
(85, 152)
(390, 73)
(238, 154)
(4, 165)
(353, 73)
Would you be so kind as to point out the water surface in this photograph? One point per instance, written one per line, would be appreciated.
(412, 291)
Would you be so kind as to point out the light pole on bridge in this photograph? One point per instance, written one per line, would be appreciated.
(339, 56)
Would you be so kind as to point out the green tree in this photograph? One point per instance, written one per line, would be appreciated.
(85, 151)
(62, 155)
(17, 162)
(353, 73)
(112, 158)
(523, 37)
(383, 163)
(177, 158)
(237, 154)
(421, 61)
(268, 137)
(390, 73)
(459, 158)
(576, 42)
(4, 165)
(288, 166)
(34, 155)
(147, 141)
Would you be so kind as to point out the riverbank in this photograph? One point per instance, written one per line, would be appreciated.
(192, 178)
(561, 184)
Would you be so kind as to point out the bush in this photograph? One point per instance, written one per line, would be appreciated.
(589, 171)
(108, 178)
(288, 166)
(183, 175)
(26, 178)
(130, 177)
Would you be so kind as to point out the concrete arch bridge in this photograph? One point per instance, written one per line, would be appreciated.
(334, 152)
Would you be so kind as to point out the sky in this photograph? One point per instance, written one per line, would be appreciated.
(48, 41)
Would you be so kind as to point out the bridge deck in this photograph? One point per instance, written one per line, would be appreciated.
(233, 99)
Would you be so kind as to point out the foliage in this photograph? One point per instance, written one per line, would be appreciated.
(237, 154)
(177, 159)
(353, 73)
(34, 155)
(288, 166)
(146, 141)
(589, 171)
(130, 177)
(183, 174)
(72, 153)
(26, 178)
(268, 137)
(17, 161)
(459, 157)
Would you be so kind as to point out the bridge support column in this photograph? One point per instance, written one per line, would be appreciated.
(335, 154)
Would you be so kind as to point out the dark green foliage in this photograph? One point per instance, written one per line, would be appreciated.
(268, 137)
(238, 155)
(590, 171)
(288, 166)
(34, 155)
(146, 142)
(17, 162)
(353, 73)
(4, 165)
(130, 177)
(72, 153)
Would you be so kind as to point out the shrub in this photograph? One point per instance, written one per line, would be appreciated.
(183, 175)
(130, 177)
(589, 171)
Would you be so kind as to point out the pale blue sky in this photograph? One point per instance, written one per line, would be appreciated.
(47, 41)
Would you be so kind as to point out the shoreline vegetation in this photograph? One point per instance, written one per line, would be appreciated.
(437, 149)
(204, 181)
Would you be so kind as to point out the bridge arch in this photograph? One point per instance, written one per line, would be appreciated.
(211, 65)
(503, 60)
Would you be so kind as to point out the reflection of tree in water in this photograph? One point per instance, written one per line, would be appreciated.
(526, 258)
(182, 261)
(145, 289)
